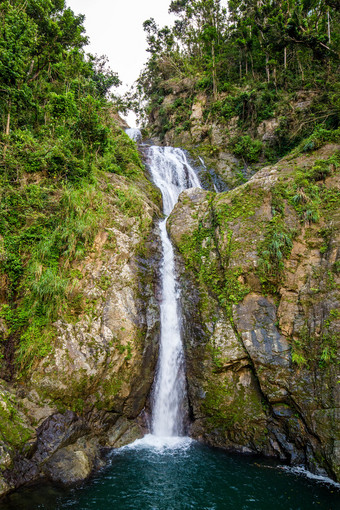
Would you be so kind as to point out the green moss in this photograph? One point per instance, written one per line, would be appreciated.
(229, 407)
(307, 193)
(12, 429)
(312, 351)
(272, 251)
(202, 255)
(317, 139)
(109, 389)
(216, 356)
(210, 248)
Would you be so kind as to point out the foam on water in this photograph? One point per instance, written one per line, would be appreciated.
(302, 471)
(160, 444)
(134, 134)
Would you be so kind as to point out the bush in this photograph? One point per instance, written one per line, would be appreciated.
(318, 138)
(246, 148)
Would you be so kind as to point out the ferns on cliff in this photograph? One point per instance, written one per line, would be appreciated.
(59, 134)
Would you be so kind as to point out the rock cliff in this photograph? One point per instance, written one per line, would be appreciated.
(259, 269)
(259, 272)
(88, 390)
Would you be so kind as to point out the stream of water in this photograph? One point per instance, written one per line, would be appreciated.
(172, 173)
(166, 470)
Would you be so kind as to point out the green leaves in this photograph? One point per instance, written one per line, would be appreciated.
(289, 45)
(273, 250)
(18, 40)
(246, 148)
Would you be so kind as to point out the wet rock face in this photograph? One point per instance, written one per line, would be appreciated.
(68, 448)
(107, 358)
(255, 319)
(57, 432)
(262, 346)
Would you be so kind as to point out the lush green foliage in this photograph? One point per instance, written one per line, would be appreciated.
(56, 108)
(252, 61)
(209, 257)
(274, 249)
(246, 148)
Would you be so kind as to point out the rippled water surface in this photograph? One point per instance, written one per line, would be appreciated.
(179, 476)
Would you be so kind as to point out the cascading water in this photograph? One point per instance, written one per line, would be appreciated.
(172, 173)
(134, 134)
(162, 471)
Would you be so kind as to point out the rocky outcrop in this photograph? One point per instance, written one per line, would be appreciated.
(69, 447)
(259, 268)
(88, 391)
(236, 133)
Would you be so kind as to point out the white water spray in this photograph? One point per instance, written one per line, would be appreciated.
(134, 134)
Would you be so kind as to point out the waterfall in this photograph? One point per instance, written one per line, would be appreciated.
(134, 134)
(172, 173)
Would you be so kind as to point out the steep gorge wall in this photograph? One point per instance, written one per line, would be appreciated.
(259, 269)
(88, 390)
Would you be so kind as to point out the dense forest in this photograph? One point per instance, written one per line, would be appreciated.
(58, 134)
(250, 60)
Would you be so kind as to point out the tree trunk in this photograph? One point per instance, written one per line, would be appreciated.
(214, 71)
(8, 123)
(300, 67)
(267, 68)
(275, 80)
(285, 57)
(240, 67)
(252, 65)
(329, 27)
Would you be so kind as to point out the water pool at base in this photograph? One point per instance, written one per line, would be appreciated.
(181, 477)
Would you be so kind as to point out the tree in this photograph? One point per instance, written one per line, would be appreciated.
(18, 36)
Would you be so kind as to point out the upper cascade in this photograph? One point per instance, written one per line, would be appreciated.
(172, 173)
(134, 133)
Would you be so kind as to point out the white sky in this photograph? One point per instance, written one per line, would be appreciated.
(115, 29)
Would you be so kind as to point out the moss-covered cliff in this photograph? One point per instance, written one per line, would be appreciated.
(78, 316)
(260, 278)
(80, 325)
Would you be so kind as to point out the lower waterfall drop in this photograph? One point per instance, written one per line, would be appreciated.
(172, 173)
